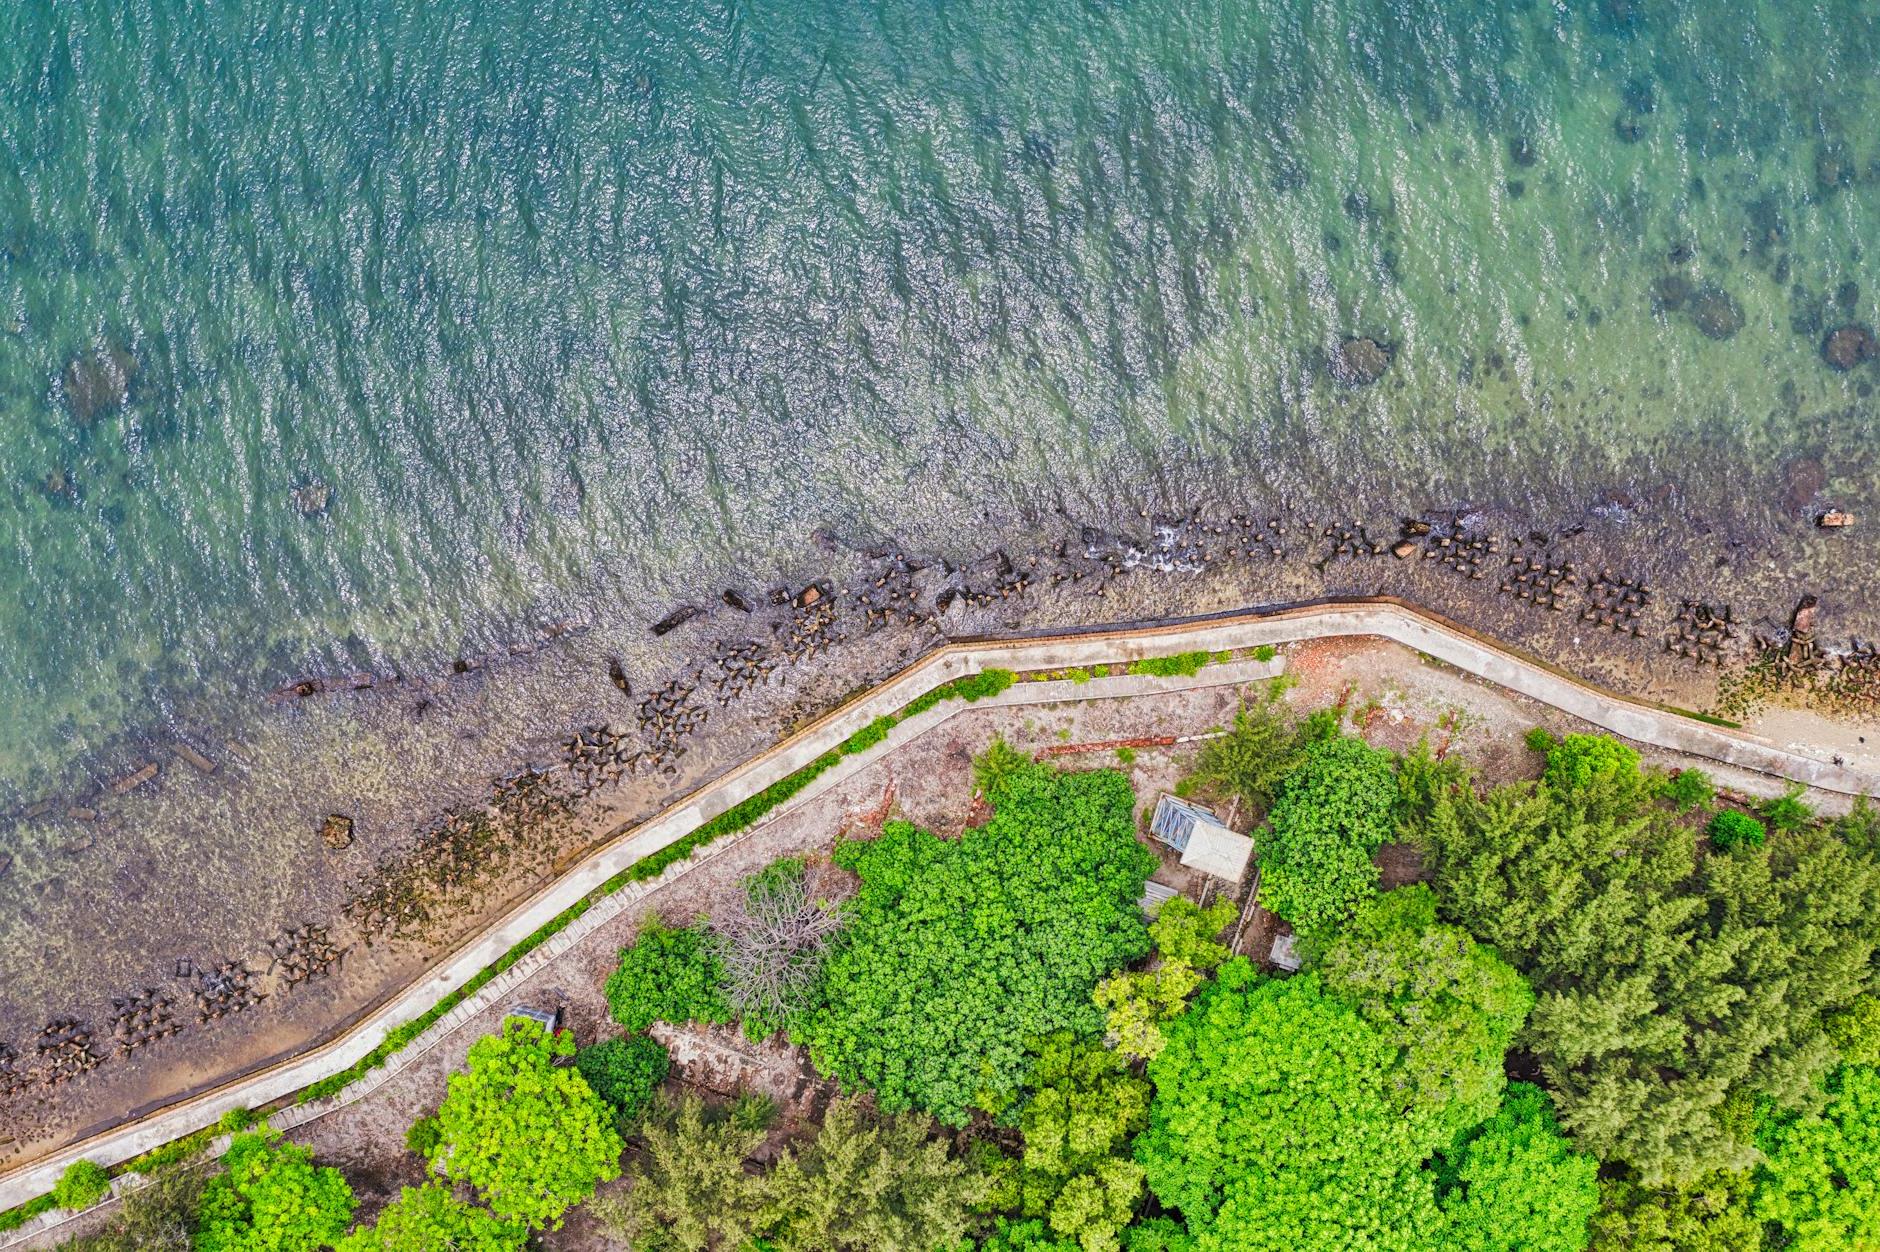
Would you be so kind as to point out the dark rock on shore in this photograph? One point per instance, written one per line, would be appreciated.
(98, 382)
(814, 594)
(1847, 346)
(617, 674)
(1716, 312)
(1360, 361)
(677, 618)
(736, 599)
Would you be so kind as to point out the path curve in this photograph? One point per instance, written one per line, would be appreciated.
(1638, 720)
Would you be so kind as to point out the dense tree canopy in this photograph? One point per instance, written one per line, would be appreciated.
(960, 951)
(1273, 1125)
(688, 1189)
(431, 1219)
(869, 1184)
(530, 1135)
(272, 1198)
(1076, 1173)
(1514, 1183)
(1674, 991)
(1334, 811)
(1253, 758)
(1451, 1007)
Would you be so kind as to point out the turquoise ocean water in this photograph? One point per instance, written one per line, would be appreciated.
(348, 335)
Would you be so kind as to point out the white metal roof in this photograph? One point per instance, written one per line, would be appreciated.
(1216, 850)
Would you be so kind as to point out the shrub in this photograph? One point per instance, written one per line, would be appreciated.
(423, 1137)
(272, 1198)
(1265, 652)
(1689, 789)
(1540, 740)
(431, 1219)
(1581, 761)
(996, 766)
(1787, 812)
(1078, 675)
(1126, 756)
(1855, 1030)
(1731, 829)
(1333, 813)
(530, 1135)
(667, 976)
(625, 1073)
(868, 736)
(959, 951)
(1181, 665)
(82, 1185)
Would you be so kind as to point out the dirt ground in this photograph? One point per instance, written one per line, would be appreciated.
(1391, 695)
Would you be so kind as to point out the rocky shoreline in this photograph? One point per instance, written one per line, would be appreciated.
(142, 944)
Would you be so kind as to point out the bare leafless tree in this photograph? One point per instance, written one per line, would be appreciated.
(772, 935)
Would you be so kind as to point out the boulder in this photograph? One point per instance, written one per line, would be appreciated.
(1403, 549)
(1360, 361)
(1716, 312)
(1847, 346)
(337, 831)
(97, 383)
(677, 618)
(1834, 519)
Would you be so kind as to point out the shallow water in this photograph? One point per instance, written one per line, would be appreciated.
(570, 306)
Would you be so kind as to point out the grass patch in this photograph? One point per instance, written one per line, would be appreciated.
(20, 1214)
(1265, 652)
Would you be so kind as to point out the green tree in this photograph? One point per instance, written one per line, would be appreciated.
(1451, 1007)
(1709, 1214)
(1514, 1184)
(530, 1135)
(82, 1185)
(272, 1198)
(1136, 1003)
(667, 976)
(1334, 811)
(1689, 789)
(1673, 994)
(1252, 759)
(689, 1189)
(959, 951)
(431, 1219)
(1273, 1126)
(1821, 1182)
(161, 1216)
(625, 1073)
(1076, 1173)
(866, 1184)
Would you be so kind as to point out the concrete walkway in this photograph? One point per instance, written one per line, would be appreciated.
(1403, 624)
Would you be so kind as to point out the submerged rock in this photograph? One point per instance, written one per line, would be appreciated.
(1360, 361)
(1521, 150)
(1716, 312)
(1628, 129)
(98, 382)
(312, 498)
(1847, 346)
(1834, 167)
(1671, 291)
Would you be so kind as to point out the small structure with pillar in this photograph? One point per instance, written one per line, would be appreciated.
(1203, 841)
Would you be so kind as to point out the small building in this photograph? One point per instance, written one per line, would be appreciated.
(1205, 844)
(1285, 954)
(1154, 896)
